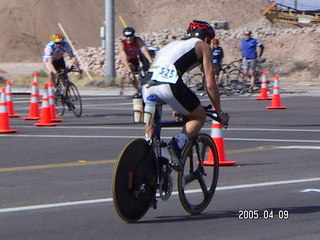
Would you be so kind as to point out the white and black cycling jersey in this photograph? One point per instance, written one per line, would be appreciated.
(173, 60)
(170, 64)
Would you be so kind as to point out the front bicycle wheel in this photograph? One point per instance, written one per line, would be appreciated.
(197, 182)
(73, 99)
(134, 181)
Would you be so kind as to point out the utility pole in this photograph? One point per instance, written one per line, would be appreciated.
(296, 4)
(109, 41)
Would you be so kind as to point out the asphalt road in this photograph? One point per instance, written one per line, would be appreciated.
(56, 181)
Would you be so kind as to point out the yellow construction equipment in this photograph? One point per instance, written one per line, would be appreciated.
(276, 12)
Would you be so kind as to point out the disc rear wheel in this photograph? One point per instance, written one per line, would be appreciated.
(134, 181)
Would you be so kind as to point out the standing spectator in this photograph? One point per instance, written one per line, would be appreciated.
(218, 55)
(249, 54)
(132, 51)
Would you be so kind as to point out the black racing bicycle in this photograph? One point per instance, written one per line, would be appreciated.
(67, 95)
(142, 174)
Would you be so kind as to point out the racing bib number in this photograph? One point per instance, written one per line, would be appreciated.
(166, 74)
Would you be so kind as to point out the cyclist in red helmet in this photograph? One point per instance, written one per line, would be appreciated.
(53, 56)
(132, 51)
(164, 83)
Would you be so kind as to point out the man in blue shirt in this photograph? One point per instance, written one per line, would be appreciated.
(249, 54)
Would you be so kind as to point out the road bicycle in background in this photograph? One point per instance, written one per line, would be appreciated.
(67, 95)
(231, 81)
(195, 81)
(142, 174)
(232, 78)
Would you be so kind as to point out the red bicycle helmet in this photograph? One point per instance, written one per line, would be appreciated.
(216, 40)
(201, 29)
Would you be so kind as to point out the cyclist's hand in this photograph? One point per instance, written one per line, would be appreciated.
(128, 74)
(177, 116)
(224, 118)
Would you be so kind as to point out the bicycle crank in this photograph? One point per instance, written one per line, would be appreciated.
(165, 187)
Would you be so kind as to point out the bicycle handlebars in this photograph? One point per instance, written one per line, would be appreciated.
(213, 114)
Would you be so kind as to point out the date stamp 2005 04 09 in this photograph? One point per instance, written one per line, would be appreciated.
(250, 214)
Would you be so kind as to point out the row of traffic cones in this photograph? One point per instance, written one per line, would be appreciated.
(276, 100)
(47, 117)
(216, 128)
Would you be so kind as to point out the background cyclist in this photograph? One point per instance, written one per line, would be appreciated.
(53, 56)
(132, 50)
(164, 82)
(249, 54)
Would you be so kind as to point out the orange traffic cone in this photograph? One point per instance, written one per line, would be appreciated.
(34, 105)
(276, 100)
(264, 88)
(9, 100)
(52, 104)
(216, 134)
(4, 117)
(36, 79)
(45, 119)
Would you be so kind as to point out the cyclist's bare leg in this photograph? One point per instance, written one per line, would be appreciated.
(196, 120)
(148, 131)
(52, 78)
(252, 77)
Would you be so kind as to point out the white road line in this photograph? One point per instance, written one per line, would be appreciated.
(311, 190)
(107, 200)
(300, 147)
(273, 140)
(175, 128)
(140, 136)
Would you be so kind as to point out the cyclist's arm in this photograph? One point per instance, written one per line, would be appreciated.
(144, 50)
(71, 55)
(50, 65)
(123, 56)
(75, 62)
(47, 57)
(203, 50)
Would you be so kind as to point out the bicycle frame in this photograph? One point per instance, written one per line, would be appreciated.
(70, 95)
(163, 165)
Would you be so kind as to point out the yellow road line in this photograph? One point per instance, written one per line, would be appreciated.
(87, 163)
(250, 150)
(72, 164)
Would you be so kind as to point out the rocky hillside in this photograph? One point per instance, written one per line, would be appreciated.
(26, 28)
(293, 53)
